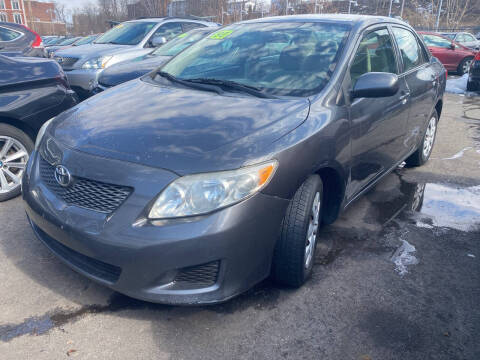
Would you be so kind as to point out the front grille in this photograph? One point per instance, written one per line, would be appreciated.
(66, 62)
(85, 193)
(476, 68)
(96, 268)
(197, 277)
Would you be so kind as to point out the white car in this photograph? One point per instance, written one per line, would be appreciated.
(464, 38)
(128, 40)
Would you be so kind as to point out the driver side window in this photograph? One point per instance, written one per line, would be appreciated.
(374, 54)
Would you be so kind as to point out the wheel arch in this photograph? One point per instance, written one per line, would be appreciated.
(19, 125)
(333, 193)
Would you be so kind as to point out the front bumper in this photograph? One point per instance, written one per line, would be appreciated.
(83, 80)
(231, 248)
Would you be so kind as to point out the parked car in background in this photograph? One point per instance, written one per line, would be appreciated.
(128, 70)
(77, 41)
(464, 38)
(32, 90)
(125, 41)
(18, 40)
(473, 83)
(62, 45)
(48, 39)
(199, 180)
(455, 57)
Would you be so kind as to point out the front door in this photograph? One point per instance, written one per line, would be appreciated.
(378, 124)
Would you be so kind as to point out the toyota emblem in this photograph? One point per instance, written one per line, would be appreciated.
(62, 175)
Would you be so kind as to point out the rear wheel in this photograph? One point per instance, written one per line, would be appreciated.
(15, 147)
(464, 66)
(423, 152)
(295, 249)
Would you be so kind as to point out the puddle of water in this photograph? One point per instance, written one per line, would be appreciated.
(456, 208)
(403, 257)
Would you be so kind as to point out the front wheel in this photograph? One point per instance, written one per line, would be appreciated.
(464, 66)
(422, 154)
(15, 147)
(295, 249)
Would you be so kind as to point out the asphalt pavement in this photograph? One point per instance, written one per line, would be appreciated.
(396, 277)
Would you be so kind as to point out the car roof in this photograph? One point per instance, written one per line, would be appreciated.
(161, 19)
(343, 18)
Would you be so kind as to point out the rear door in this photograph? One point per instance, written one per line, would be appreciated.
(422, 81)
(441, 48)
(378, 124)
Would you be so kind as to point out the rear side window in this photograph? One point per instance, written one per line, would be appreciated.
(468, 37)
(412, 55)
(187, 26)
(169, 30)
(8, 35)
(374, 54)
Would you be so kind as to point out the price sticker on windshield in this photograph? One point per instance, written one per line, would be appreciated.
(220, 35)
(181, 36)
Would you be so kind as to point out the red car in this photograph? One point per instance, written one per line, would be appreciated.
(455, 57)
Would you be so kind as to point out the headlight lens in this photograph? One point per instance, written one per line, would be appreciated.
(203, 193)
(41, 133)
(97, 63)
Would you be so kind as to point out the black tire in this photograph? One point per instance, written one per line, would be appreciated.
(460, 69)
(418, 158)
(26, 141)
(472, 86)
(289, 259)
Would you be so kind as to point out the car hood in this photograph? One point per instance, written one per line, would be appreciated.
(129, 70)
(179, 129)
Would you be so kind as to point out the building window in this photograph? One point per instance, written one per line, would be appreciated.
(3, 17)
(17, 18)
(15, 5)
(2, 4)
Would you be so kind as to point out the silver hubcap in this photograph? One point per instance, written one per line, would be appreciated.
(429, 137)
(312, 230)
(13, 159)
(466, 66)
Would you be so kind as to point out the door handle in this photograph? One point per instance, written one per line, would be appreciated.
(404, 97)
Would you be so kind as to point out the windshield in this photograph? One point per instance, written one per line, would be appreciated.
(86, 40)
(281, 58)
(129, 33)
(181, 42)
(67, 42)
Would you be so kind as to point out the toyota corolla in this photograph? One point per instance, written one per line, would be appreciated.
(202, 178)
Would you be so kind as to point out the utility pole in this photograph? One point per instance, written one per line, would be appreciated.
(438, 14)
(390, 9)
(286, 7)
(401, 10)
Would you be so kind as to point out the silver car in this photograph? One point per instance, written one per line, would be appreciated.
(128, 40)
(464, 38)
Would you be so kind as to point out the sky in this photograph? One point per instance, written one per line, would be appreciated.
(72, 4)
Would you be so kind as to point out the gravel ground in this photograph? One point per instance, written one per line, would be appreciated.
(396, 277)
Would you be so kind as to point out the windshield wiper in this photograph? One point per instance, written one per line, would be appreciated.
(231, 85)
(188, 83)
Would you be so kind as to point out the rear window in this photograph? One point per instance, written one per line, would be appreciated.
(8, 35)
(436, 41)
(128, 33)
(181, 42)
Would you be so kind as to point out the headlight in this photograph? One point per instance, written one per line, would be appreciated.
(97, 63)
(41, 133)
(203, 193)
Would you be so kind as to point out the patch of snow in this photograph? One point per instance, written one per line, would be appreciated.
(457, 85)
(471, 255)
(421, 224)
(404, 257)
(459, 154)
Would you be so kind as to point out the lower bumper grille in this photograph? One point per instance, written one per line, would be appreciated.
(197, 277)
(96, 268)
(85, 193)
(66, 62)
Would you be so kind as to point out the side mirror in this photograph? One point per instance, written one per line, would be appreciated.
(375, 85)
(452, 46)
(158, 41)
